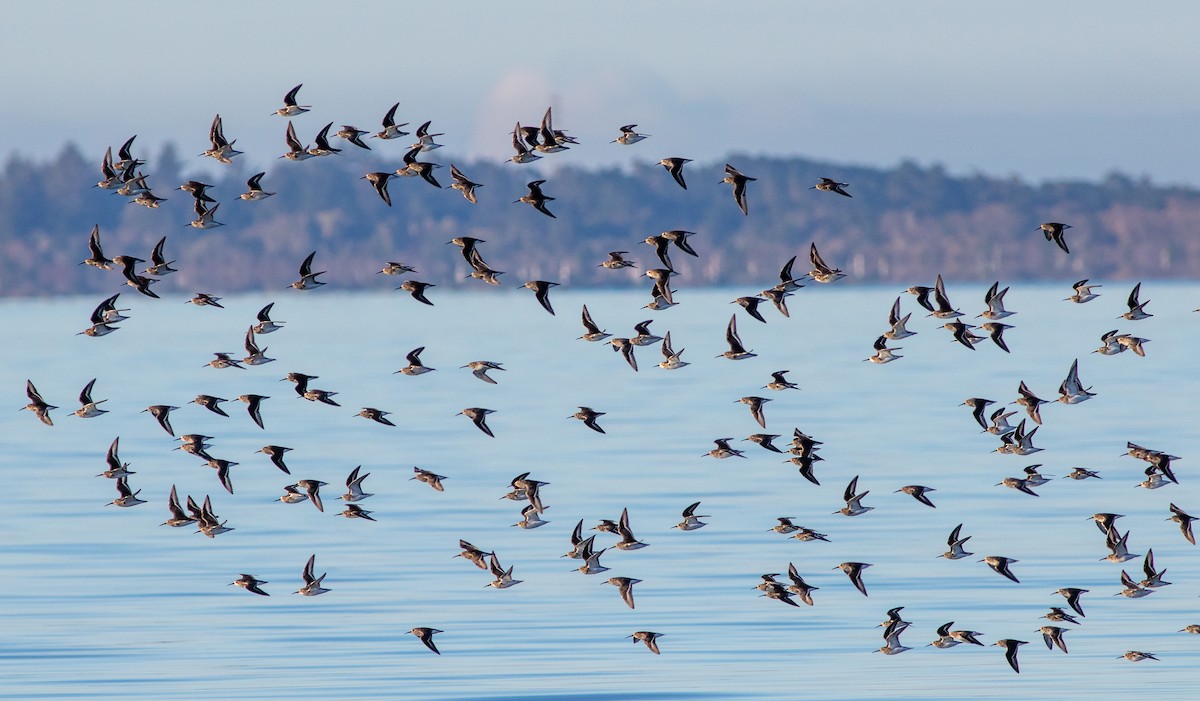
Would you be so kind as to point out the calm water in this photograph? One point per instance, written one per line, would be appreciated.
(102, 602)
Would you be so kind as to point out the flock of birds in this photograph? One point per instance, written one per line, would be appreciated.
(126, 177)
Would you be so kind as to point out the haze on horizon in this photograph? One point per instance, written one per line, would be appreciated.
(1042, 91)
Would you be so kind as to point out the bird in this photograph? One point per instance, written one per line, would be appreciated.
(672, 359)
(379, 181)
(978, 406)
(116, 468)
(853, 500)
(88, 409)
(629, 136)
(503, 577)
(322, 147)
(391, 130)
(127, 497)
(1071, 390)
(473, 554)
(541, 289)
(1184, 520)
(250, 583)
(1010, 651)
(308, 279)
(536, 198)
(1083, 292)
(161, 413)
(919, 493)
(1000, 564)
(432, 479)
(276, 453)
(1030, 401)
(417, 290)
(588, 416)
(1137, 310)
(737, 351)
(312, 585)
(625, 586)
(830, 185)
(354, 135)
(883, 354)
(204, 299)
(647, 637)
(222, 149)
(297, 151)
(723, 450)
(38, 405)
(159, 265)
(691, 521)
(956, 551)
(265, 324)
(1053, 635)
(779, 382)
(674, 166)
(616, 261)
(1137, 656)
(1072, 595)
(179, 517)
(376, 415)
(290, 107)
(756, 408)
(480, 368)
(414, 367)
(854, 571)
(994, 299)
(425, 140)
(479, 416)
(254, 407)
(1054, 231)
(425, 635)
(944, 310)
(821, 271)
(738, 180)
(96, 257)
(254, 191)
(463, 185)
(628, 541)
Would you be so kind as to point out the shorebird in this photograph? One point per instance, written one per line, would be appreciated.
(296, 150)
(672, 359)
(425, 140)
(737, 351)
(647, 637)
(1058, 615)
(480, 368)
(674, 166)
(376, 415)
(356, 511)
(161, 413)
(1082, 473)
(1053, 635)
(590, 556)
(1137, 656)
(308, 279)
(779, 383)
(473, 554)
(854, 571)
(159, 265)
(354, 135)
(764, 439)
(1137, 310)
(1132, 589)
(254, 407)
(628, 541)
(830, 185)
(918, 492)
(978, 406)
(1072, 595)
(312, 585)
(799, 587)
(276, 453)
(897, 324)
(116, 468)
(541, 289)
(883, 354)
(223, 361)
(738, 180)
(821, 272)
(723, 450)
(956, 551)
(96, 257)
(414, 367)
(425, 635)
(625, 586)
(1154, 576)
(250, 583)
(265, 324)
(588, 416)
(463, 185)
(290, 108)
(479, 416)
(1072, 391)
(379, 181)
(853, 500)
(254, 354)
(629, 136)
(221, 148)
(417, 290)
(503, 577)
(524, 154)
(995, 303)
(616, 261)
(1184, 520)
(999, 422)
(625, 347)
(127, 497)
(1000, 564)
(536, 198)
(432, 479)
(391, 130)
(1010, 651)
(1030, 401)
(756, 408)
(394, 268)
(202, 299)
(1083, 292)
(208, 523)
(691, 521)
(1054, 232)
(1019, 484)
(943, 309)
(38, 405)
(322, 147)
(179, 517)
(88, 409)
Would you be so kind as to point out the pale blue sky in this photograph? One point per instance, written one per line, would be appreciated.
(1042, 90)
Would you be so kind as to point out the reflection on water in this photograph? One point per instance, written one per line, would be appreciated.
(103, 602)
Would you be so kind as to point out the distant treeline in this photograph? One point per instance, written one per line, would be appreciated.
(904, 224)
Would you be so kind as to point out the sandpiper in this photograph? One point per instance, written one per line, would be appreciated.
(503, 577)
(265, 325)
(391, 130)
(480, 368)
(414, 366)
(479, 416)
(1137, 309)
(463, 185)
(536, 198)
(254, 191)
(127, 497)
(430, 478)
(308, 279)
(625, 586)
(1083, 292)
(254, 407)
(647, 637)
(354, 490)
(425, 635)
(674, 166)
(821, 272)
(672, 359)
(738, 180)
(853, 500)
(723, 450)
(376, 415)
(1054, 232)
(737, 351)
(417, 290)
(831, 185)
(918, 492)
(588, 416)
(88, 409)
(312, 585)
(1010, 651)
(1000, 564)
(290, 108)
(250, 583)
(629, 136)
(276, 453)
(854, 571)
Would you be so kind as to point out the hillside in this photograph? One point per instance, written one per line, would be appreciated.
(903, 224)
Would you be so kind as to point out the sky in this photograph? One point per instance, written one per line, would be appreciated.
(1037, 90)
